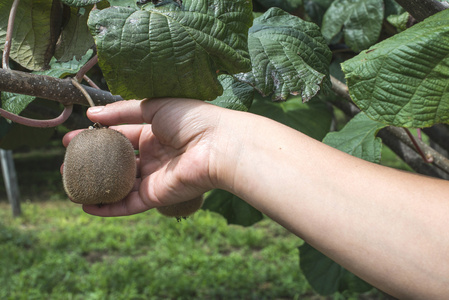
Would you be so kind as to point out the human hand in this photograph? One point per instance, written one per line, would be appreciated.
(175, 148)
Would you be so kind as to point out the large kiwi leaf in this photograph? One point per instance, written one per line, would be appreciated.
(403, 80)
(172, 50)
(289, 56)
(36, 31)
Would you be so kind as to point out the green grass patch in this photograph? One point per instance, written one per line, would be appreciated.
(56, 251)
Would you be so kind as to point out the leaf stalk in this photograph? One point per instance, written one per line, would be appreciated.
(9, 32)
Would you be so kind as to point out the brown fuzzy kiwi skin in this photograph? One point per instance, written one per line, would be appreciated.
(99, 167)
(182, 209)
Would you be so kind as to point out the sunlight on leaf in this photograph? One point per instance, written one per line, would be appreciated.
(172, 50)
(403, 81)
(289, 56)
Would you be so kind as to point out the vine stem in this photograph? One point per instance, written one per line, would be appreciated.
(38, 123)
(426, 158)
(84, 69)
(90, 82)
(9, 31)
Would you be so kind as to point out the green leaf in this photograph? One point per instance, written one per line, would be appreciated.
(79, 3)
(235, 210)
(358, 138)
(361, 21)
(402, 81)
(15, 103)
(60, 69)
(287, 5)
(315, 9)
(322, 273)
(171, 50)
(34, 35)
(75, 37)
(350, 282)
(399, 21)
(326, 276)
(237, 95)
(313, 118)
(289, 56)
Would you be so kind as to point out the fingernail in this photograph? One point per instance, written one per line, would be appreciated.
(95, 109)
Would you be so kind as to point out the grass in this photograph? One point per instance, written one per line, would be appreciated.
(55, 251)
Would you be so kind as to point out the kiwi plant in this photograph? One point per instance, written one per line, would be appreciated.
(99, 166)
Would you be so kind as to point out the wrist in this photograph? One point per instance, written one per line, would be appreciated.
(230, 133)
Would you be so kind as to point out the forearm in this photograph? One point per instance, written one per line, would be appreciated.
(387, 226)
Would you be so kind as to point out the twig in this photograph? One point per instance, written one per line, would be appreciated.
(340, 88)
(9, 32)
(88, 98)
(438, 160)
(409, 155)
(90, 82)
(84, 69)
(38, 123)
(426, 158)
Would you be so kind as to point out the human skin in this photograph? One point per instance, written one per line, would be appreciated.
(387, 226)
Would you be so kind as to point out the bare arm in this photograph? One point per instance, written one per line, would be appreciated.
(389, 227)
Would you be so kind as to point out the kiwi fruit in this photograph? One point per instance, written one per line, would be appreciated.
(182, 209)
(99, 167)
